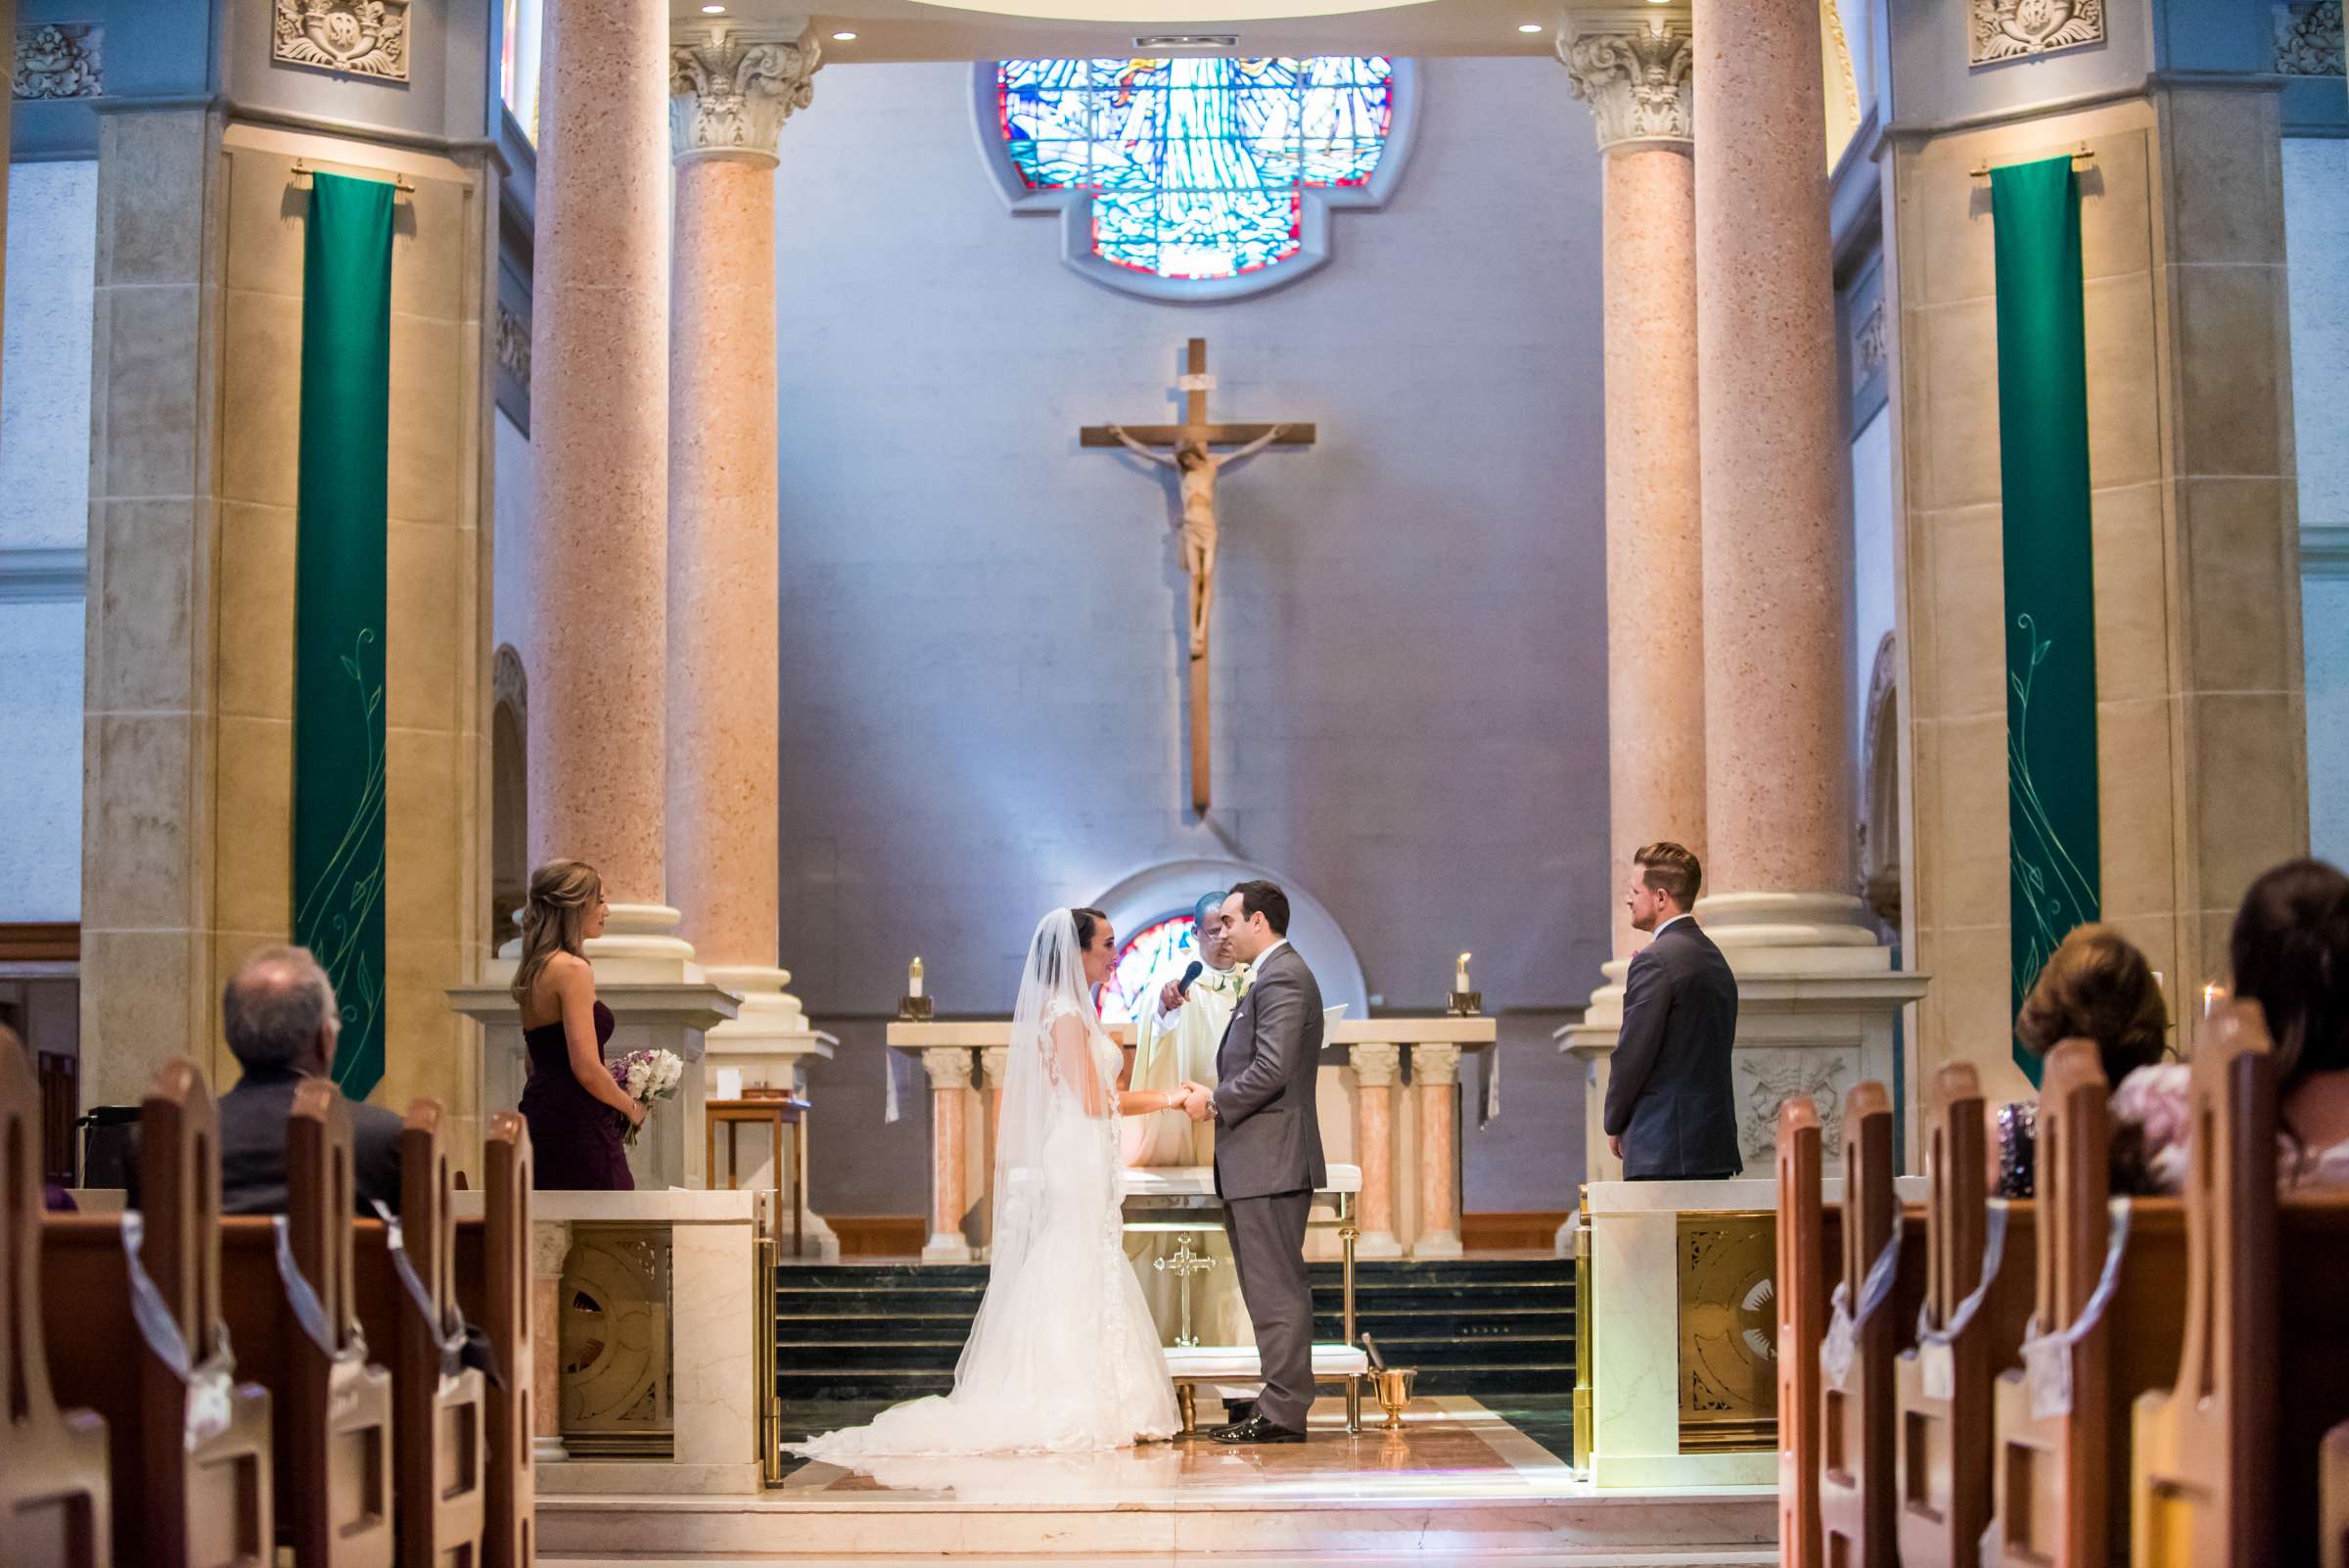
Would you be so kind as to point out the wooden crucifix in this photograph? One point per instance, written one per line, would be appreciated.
(1189, 453)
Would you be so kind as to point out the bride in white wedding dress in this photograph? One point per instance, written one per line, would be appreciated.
(1064, 1357)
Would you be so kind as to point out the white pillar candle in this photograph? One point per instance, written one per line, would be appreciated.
(1459, 979)
(913, 979)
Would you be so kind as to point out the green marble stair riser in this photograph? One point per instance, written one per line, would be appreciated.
(889, 1331)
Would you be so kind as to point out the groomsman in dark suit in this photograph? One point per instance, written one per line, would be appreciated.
(1671, 1111)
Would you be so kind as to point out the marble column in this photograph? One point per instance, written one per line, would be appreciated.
(550, 1248)
(1436, 1074)
(730, 91)
(949, 1070)
(994, 1062)
(1374, 1073)
(1632, 65)
(1819, 997)
(599, 426)
(1776, 567)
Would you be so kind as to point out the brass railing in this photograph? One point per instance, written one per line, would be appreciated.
(767, 1259)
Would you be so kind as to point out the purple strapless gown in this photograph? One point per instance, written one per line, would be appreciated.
(575, 1137)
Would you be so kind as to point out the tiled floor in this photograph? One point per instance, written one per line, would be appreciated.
(1456, 1481)
(1446, 1448)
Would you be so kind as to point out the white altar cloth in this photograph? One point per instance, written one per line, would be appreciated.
(1199, 1181)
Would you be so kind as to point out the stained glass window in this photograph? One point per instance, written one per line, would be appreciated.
(1197, 169)
(1145, 961)
(518, 62)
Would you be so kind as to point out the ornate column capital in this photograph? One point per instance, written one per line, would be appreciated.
(1374, 1066)
(731, 88)
(949, 1066)
(1433, 1065)
(1632, 65)
(994, 1062)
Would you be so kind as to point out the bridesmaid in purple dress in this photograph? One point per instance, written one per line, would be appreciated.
(576, 1111)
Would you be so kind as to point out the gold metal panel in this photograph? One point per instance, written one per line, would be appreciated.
(616, 1389)
(1728, 1376)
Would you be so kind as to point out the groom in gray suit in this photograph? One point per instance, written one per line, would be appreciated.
(1269, 1153)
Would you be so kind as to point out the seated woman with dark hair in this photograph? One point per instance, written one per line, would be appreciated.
(2097, 987)
(2289, 952)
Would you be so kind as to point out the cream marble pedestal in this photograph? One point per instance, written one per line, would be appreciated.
(1633, 1324)
(659, 1000)
(769, 1041)
(715, 1304)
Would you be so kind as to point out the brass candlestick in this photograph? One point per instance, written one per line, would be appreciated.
(1394, 1392)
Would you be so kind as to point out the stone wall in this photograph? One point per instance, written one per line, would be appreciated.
(44, 523)
(190, 687)
(2199, 733)
(980, 620)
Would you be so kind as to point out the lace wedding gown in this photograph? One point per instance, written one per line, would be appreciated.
(1062, 1357)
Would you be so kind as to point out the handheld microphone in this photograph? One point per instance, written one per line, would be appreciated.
(1182, 987)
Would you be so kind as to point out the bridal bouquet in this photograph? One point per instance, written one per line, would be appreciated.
(648, 1078)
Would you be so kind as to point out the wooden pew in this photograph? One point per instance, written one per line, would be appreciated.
(2333, 1490)
(1941, 1388)
(2060, 1480)
(1943, 1416)
(334, 1410)
(190, 1455)
(2200, 1481)
(55, 1497)
(493, 1289)
(1856, 1485)
(437, 1407)
(1802, 1298)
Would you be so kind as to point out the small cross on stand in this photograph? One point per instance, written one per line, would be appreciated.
(1189, 453)
(1185, 1264)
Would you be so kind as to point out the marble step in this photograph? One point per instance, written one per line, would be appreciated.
(1510, 1323)
(1483, 1379)
(1428, 1356)
(1481, 1271)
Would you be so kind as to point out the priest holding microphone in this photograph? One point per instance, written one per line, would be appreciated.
(1175, 1038)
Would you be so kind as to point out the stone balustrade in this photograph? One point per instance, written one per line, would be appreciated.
(1406, 1145)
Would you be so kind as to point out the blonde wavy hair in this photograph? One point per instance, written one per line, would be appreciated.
(554, 917)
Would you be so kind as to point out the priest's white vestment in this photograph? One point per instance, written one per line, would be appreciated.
(1169, 1048)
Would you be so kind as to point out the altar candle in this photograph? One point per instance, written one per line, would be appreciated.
(913, 979)
(2212, 991)
(1459, 979)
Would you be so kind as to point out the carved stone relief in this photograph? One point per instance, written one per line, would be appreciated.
(1881, 782)
(514, 345)
(2308, 39)
(362, 37)
(730, 91)
(2015, 29)
(1768, 1078)
(1636, 78)
(59, 59)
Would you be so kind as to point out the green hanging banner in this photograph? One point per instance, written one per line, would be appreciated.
(339, 607)
(2054, 860)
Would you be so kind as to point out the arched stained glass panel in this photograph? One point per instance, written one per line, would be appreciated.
(1148, 955)
(1196, 170)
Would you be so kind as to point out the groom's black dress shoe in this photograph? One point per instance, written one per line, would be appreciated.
(1256, 1429)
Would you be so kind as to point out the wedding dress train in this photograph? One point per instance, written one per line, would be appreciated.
(1062, 1357)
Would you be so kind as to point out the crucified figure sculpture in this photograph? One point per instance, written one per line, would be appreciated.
(1198, 467)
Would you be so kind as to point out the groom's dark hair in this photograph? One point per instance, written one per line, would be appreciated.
(1265, 898)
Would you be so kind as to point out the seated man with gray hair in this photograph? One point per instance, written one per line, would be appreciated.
(279, 1013)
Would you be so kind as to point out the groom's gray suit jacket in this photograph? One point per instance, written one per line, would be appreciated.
(1267, 1133)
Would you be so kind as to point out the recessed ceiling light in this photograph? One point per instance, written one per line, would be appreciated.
(1528, 27)
(713, 10)
(844, 37)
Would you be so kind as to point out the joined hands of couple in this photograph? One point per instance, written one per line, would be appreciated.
(1194, 1100)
